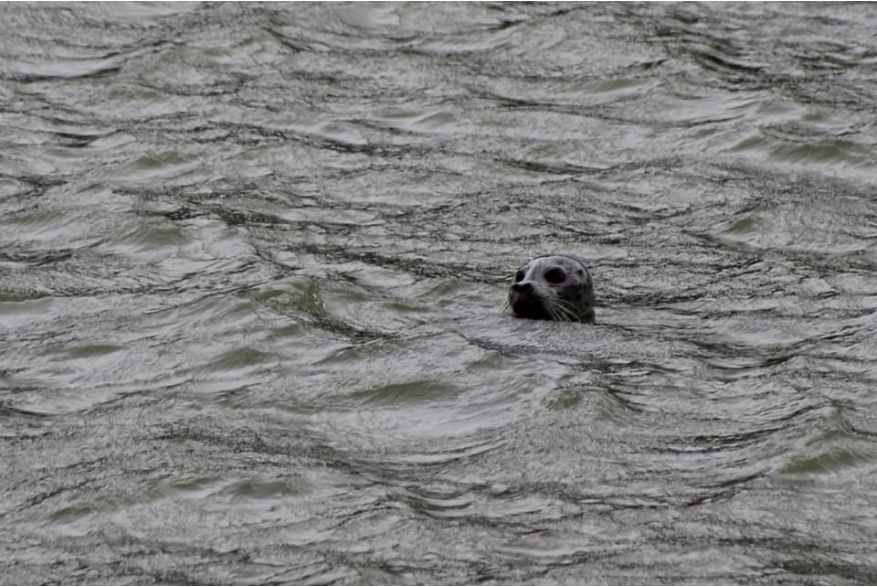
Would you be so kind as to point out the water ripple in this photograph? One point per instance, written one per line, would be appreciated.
(252, 265)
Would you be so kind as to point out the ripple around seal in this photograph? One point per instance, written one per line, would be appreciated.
(235, 370)
(161, 167)
(423, 119)
(838, 156)
(457, 411)
(81, 377)
(816, 229)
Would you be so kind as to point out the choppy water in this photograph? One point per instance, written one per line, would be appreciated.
(252, 259)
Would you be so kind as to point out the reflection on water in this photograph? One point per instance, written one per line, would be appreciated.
(252, 259)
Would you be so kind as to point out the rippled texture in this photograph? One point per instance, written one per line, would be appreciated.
(252, 259)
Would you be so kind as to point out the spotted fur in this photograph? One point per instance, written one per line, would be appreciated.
(552, 287)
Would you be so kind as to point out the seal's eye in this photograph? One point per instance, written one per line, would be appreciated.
(519, 275)
(554, 275)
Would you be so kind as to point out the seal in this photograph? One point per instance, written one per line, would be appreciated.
(552, 287)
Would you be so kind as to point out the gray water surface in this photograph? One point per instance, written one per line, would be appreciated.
(252, 261)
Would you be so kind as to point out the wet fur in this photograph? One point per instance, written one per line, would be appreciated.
(569, 301)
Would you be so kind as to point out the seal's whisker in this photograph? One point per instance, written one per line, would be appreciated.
(562, 308)
(567, 315)
(553, 311)
(568, 309)
(549, 308)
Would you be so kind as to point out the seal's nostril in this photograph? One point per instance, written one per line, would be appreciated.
(523, 287)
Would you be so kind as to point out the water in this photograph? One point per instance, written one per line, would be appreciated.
(252, 259)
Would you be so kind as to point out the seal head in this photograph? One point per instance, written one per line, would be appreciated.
(553, 287)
